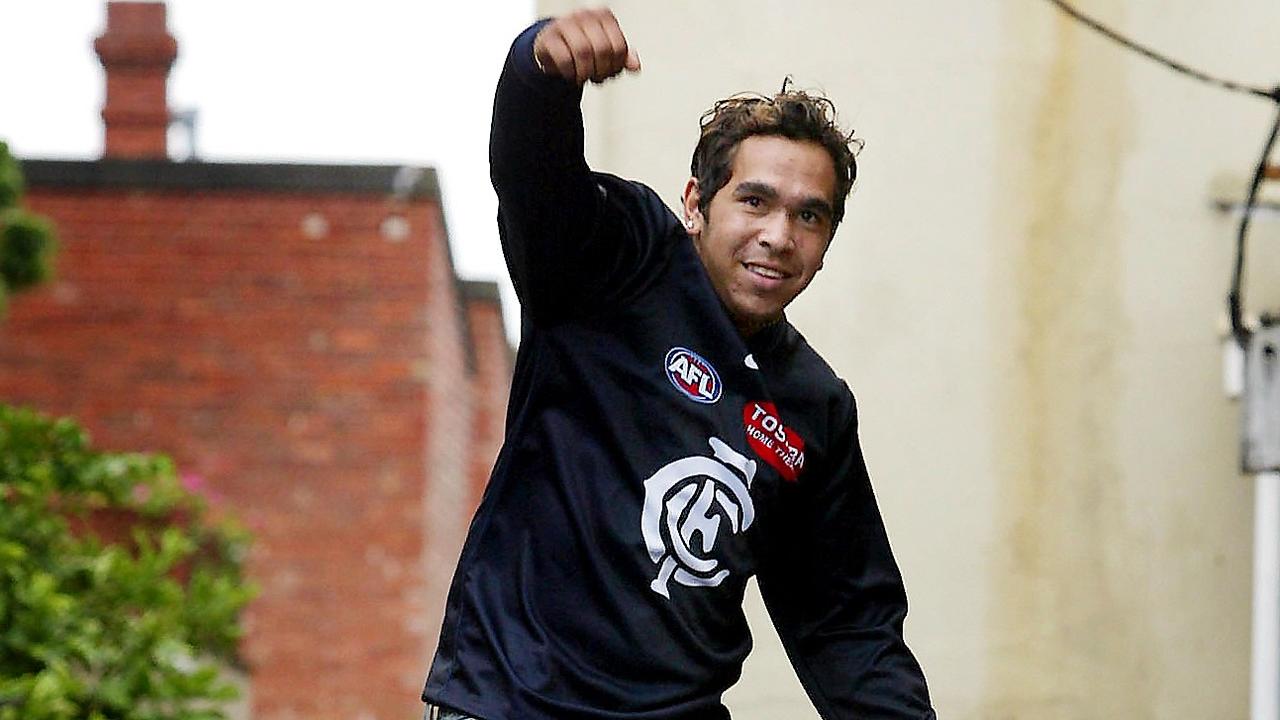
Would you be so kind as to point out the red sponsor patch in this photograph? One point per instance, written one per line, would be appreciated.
(777, 444)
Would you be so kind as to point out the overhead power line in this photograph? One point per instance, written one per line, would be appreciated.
(1234, 299)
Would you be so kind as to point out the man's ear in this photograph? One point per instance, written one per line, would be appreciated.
(693, 219)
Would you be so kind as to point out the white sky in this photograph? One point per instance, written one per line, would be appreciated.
(376, 81)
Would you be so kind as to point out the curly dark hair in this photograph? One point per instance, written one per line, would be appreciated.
(793, 114)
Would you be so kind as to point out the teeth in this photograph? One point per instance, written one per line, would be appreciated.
(766, 272)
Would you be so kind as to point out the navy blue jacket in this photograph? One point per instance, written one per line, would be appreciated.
(654, 460)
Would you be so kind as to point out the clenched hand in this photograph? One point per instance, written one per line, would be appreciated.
(584, 45)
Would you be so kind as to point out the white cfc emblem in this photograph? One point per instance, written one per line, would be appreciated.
(689, 497)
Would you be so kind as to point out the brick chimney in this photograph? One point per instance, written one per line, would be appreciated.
(137, 52)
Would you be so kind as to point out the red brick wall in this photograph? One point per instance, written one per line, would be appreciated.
(312, 373)
(446, 508)
(490, 385)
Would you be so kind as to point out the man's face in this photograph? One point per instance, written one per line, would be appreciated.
(767, 229)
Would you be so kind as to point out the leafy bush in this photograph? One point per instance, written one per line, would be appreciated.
(119, 596)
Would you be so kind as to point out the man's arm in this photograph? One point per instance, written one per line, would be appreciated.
(550, 206)
(835, 594)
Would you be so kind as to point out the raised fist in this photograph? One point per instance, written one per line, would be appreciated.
(584, 45)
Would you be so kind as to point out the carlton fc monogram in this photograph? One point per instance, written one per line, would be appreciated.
(685, 503)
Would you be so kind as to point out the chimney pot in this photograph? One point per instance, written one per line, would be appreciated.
(137, 51)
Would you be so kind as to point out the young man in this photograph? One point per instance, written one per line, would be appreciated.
(669, 433)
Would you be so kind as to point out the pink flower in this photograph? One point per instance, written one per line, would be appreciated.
(192, 482)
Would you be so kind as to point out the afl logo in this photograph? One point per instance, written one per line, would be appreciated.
(692, 375)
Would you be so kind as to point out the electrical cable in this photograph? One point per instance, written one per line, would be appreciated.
(1272, 94)
(1234, 301)
(1234, 297)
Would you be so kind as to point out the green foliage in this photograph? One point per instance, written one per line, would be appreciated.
(26, 249)
(10, 178)
(119, 597)
(27, 241)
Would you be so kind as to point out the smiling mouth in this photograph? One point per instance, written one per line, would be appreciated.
(764, 272)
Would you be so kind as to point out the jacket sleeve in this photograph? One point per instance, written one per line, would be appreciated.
(836, 596)
(573, 239)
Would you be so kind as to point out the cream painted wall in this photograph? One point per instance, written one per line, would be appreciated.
(1025, 297)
